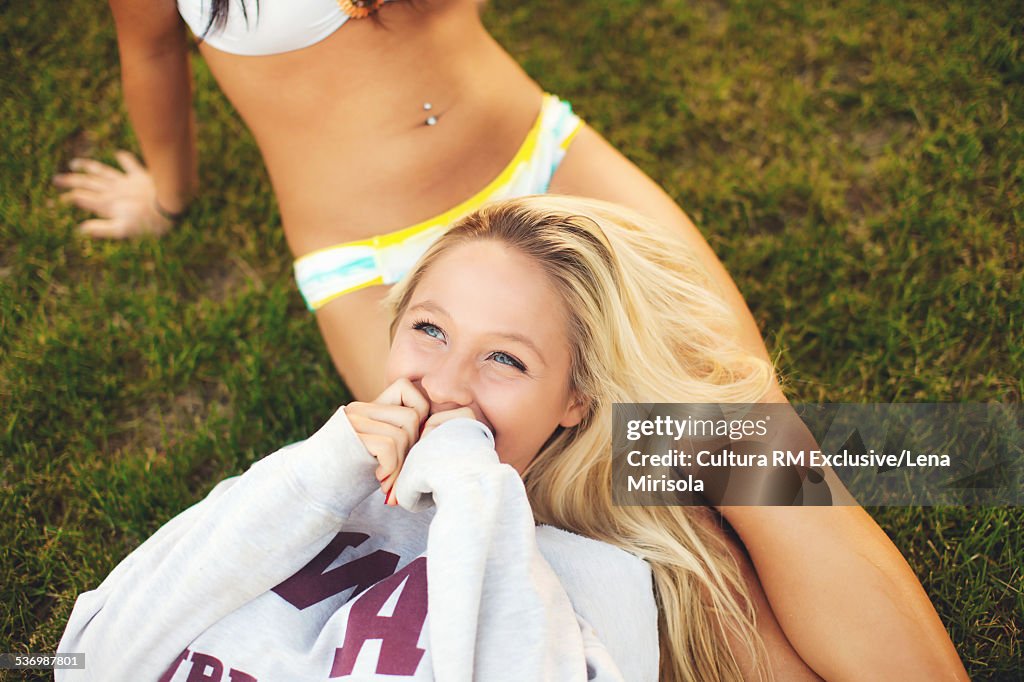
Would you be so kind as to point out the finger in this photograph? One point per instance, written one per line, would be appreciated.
(103, 229)
(83, 198)
(402, 392)
(365, 426)
(93, 167)
(129, 162)
(388, 486)
(398, 415)
(439, 418)
(79, 181)
(384, 450)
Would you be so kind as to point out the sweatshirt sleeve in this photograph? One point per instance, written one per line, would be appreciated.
(497, 611)
(247, 536)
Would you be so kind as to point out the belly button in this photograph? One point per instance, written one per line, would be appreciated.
(431, 119)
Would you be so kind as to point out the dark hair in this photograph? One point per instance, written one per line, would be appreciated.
(219, 14)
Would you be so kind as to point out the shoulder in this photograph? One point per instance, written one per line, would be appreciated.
(594, 572)
(613, 591)
(590, 559)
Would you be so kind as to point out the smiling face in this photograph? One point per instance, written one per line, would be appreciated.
(485, 329)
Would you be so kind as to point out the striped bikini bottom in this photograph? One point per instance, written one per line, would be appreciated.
(325, 274)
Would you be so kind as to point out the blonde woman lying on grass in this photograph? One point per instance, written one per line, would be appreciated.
(399, 541)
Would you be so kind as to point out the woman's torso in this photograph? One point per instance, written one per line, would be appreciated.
(341, 123)
(360, 609)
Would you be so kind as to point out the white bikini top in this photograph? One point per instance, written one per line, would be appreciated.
(271, 28)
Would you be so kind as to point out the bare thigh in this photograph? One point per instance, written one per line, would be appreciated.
(783, 660)
(593, 168)
(355, 329)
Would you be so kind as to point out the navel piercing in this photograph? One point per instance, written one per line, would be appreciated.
(431, 120)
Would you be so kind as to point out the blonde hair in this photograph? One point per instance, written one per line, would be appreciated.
(645, 325)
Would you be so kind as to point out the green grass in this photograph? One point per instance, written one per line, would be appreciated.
(859, 170)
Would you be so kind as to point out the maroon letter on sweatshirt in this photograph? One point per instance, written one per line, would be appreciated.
(199, 672)
(311, 585)
(398, 633)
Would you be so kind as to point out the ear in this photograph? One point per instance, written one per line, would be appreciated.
(575, 411)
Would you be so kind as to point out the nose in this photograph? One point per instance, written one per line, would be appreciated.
(447, 383)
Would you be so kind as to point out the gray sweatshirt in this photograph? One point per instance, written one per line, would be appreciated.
(297, 570)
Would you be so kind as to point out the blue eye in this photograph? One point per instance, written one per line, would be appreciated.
(506, 359)
(431, 330)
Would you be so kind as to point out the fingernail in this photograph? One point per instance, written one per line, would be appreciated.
(387, 497)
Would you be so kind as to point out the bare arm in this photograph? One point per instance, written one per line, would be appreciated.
(158, 93)
(157, 88)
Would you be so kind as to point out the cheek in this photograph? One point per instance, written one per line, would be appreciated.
(404, 360)
(520, 419)
(391, 367)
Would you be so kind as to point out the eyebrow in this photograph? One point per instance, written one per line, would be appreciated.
(431, 306)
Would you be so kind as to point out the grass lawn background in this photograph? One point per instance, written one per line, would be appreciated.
(858, 169)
